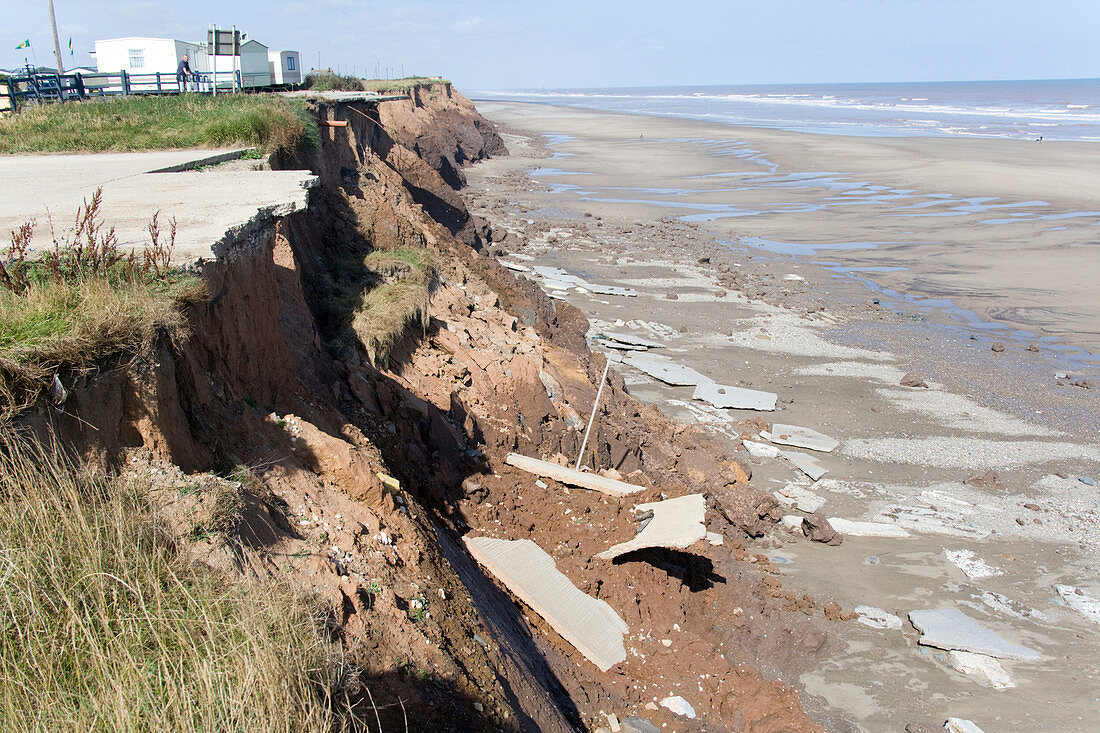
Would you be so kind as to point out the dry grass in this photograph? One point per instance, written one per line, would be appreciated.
(71, 325)
(399, 301)
(107, 627)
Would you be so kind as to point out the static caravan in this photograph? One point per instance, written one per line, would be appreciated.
(285, 67)
(144, 58)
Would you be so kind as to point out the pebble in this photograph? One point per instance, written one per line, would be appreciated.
(997, 347)
(1087, 480)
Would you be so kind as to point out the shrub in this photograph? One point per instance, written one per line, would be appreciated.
(329, 82)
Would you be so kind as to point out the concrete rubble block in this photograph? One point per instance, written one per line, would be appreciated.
(514, 266)
(1076, 599)
(612, 290)
(985, 669)
(878, 618)
(566, 475)
(665, 369)
(626, 338)
(726, 397)
(951, 629)
(799, 437)
(634, 724)
(590, 625)
(619, 346)
(801, 499)
(760, 450)
(674, 524)
(961, 725)
(971, 565)
(792, 522)
(867, 529)
(805, 463)
(678, 705)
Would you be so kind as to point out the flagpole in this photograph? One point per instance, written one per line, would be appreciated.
(56, 41)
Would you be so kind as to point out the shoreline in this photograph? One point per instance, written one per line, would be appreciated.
(826, 191)
(908, 456)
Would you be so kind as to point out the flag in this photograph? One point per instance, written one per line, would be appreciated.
(70, 45)
(24, 44)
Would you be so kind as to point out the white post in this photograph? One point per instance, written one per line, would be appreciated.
(213, 51)
(606, 366)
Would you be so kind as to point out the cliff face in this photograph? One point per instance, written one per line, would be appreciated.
(270, 380)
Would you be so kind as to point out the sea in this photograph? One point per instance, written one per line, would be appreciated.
(1054, 109)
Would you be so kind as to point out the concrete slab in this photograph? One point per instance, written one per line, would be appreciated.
(620, 346)
(986, 670)
(514, 267)
(867, 529)
(666, 370)
(961, 725)
(739, 398)
(760, 450)
(676, 524)
(627, 338)
(205, 204)
(1077, 599)
(590, 625)
(972, 565)
(806, 464)
(877, 618)
(951, 629)
(801, 499)
(612, 290)
(565, 475)
(800, 437)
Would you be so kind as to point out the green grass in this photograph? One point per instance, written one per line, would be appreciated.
(266, 121)
(107, 626)
(397, 301)
(326, 82)
(395, 86)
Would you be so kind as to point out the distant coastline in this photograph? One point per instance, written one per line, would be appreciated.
(1053, 109)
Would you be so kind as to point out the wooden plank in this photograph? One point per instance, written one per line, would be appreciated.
(564, 475)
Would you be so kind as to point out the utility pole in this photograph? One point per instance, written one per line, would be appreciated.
(56, 41)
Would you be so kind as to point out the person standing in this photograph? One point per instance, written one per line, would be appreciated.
(183, 73)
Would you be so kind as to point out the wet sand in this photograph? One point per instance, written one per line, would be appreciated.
(1005, 229)
(756, 319)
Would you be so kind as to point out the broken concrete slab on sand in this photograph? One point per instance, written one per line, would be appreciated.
(951, 629)
(590, 625)
(867, 529)
(674, 524)
(566, 475)
(739, 398)
(665, 369)
(801, 499)
(800, 437)
(805, 463)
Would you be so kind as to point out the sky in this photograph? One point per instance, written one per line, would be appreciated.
(506, 44)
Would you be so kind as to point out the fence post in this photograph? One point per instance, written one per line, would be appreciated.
(158, 83)
(125, 83)
(240, 86)
(80, 91)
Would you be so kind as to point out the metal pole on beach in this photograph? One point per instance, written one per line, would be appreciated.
(595, 406)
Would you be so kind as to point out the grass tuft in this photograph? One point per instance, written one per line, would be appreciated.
(107, 626)
(398, 301)
(275, 124)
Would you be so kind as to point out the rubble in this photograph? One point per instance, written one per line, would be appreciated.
(673, 523)
(820, 529)
(972, 565)
(951, 629)
(590, 625)
(961, 725)
(1076, 599)
(760, 450)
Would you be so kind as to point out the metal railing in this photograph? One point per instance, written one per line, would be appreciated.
(54, 87)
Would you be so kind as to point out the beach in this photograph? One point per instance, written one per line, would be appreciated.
(794, 264)
(1004, 229)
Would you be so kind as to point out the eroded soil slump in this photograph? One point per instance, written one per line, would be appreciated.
(272, 398)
